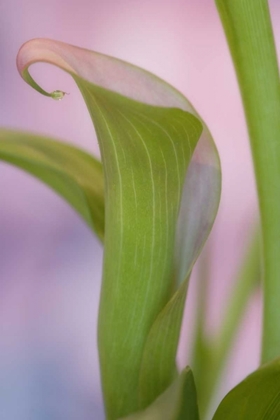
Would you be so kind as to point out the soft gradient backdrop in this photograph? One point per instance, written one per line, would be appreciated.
(50, 264)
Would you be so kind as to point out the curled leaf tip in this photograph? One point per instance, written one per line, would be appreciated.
(58, 95)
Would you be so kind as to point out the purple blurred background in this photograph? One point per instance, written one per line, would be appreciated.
(50, 264)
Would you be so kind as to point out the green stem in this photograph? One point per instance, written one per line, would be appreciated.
(216, 353)
(200, 353)
(249, 33)
(246, 283)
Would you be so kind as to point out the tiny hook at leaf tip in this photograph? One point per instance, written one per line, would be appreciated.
(58, 95)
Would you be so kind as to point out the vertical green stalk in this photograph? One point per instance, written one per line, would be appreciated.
(210, 356)
(245, 285)
(200, 351)
(249, 34)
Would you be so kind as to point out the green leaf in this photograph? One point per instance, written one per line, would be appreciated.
(197, 214)
(198, 210)
(145, 151)
(200, 202)
(256, 398)
(178, 402)
(158, 362)
(72, 173)
(147, 137)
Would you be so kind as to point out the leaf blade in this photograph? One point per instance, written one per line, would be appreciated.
(158, 193)
(257, 397)
(71, 172)
(178, 402)
(198, 210)
(103, 73)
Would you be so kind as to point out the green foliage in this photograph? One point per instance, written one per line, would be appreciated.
(157, 192)
(255, 398)
(72, 173)
(178, 402)
(145, 155)
(147, 133)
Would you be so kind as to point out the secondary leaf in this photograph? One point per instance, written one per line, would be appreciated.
(145, 151)
(178, 402)
(71, 172)
(255, 398)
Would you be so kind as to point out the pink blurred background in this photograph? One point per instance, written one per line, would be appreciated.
(50, 264)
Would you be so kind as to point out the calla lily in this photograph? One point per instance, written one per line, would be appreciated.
(162, 185)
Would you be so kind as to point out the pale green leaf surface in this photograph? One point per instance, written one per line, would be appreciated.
(145, 151)
(71, 172)
(255, 398)
(161, 347)
(178, 402)
(198, 210)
